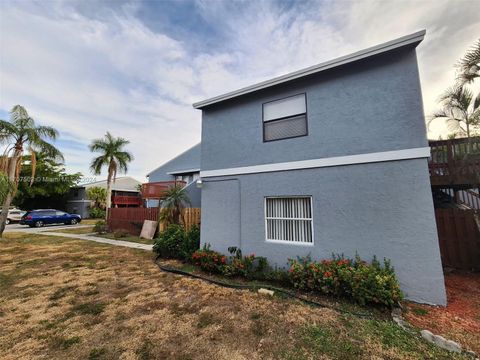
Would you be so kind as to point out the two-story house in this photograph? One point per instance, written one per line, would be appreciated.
(328, 159)
(182, 169)
(125, 193)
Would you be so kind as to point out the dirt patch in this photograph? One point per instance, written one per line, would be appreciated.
(460, 320)
(82, 300)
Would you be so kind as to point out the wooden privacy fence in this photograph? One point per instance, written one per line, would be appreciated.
(191, 216)
(459, 238)
(131, 219)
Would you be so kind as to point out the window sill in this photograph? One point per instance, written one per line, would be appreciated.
(285, 242)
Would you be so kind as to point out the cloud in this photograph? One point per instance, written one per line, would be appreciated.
(86, 70)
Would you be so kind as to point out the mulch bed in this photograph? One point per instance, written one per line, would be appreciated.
(460, 320)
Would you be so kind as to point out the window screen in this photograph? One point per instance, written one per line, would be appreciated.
(289, 219)
(285, 118)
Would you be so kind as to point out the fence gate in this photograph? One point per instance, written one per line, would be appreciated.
(459, 238)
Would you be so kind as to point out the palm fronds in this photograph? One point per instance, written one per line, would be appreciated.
(172, 206)
(469, 65)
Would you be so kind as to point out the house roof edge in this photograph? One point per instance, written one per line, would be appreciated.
(416, 37)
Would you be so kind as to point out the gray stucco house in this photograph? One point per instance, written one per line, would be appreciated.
(124, 194)
(184, 167)
(328, 159)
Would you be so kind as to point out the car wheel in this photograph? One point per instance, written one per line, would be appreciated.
(73, 222)
(38, 223)
(7, 221)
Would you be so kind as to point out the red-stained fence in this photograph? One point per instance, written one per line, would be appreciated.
(459, 238)
(131, 219)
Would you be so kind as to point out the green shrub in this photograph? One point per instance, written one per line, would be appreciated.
(97, 213)
(364, 282)
(169, 242)
(120, 233)
(100, 227)
(190, 243)
(236, 264)
(176, 243)
(248, 266)
(209, 260)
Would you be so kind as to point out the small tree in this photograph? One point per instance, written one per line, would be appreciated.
(176, 200)
(113, 157)
(51, 187)
(469, 65)
(460, 110)
(22, 134)
(5, 186)
(98, 195)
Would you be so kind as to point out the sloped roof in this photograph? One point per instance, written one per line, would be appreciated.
(193, 164)
(122, 183)
(414, 38)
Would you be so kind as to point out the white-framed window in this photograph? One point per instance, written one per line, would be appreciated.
(289, 219)
(285, 118)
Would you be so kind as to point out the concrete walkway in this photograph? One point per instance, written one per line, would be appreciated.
(98, 239)
(27, 229)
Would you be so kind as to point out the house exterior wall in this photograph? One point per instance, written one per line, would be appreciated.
(194, 194)
(78, 202)
(370, 106)
(80, 207)
(382, 208)
(188, 160)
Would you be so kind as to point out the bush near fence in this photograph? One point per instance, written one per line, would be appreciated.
(131, 219)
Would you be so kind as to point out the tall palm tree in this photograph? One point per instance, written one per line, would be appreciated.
(469, 65)
(17, 135)
(172, 206)
(113, 157)
(460, 110)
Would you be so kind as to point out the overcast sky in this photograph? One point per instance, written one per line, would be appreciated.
(135, 67)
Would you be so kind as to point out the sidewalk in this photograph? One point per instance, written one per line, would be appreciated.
(101, 240)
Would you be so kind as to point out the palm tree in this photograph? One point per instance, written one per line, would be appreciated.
(460, 110)
(176, 200)
(20, 134)
(5, 187)
(113, 157)
(469, 66)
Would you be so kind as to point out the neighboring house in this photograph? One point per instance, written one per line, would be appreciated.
(184, 167)
(125, 193)
(328, 159)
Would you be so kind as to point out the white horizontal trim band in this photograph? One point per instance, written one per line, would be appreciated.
(405, 154)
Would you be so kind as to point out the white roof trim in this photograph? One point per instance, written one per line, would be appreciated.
(183, 171)
(393, 155)
(416, 37)
(165, 163)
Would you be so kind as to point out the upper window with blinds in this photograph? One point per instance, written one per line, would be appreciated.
(289, 219)
(285, 118)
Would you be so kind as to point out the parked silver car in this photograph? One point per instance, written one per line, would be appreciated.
(14, 215)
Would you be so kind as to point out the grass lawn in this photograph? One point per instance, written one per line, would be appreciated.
(72, 299)
(90, 221)
(75, 230)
